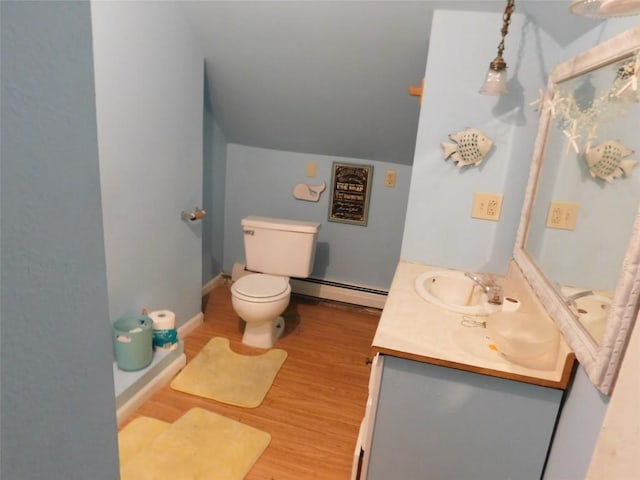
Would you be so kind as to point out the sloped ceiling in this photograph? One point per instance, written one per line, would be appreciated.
(331, 77)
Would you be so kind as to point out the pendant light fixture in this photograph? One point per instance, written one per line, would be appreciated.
(605, 8)
(495, 82)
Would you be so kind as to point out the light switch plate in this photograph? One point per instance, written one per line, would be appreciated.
(562, 215)
(487, 206)
(311, 169)
(390, 178)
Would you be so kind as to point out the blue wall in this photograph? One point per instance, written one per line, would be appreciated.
(577, 430)
(439, 229)
(260, 182)
(585, 407)
(565, 177)
(149, 96)
(568, 180)
(57, 403)
(213, 191)
(54, 278)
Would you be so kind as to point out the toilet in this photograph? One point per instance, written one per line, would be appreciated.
(275, 249)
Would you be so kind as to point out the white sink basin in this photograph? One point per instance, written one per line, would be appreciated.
(592, 312)
(454, 291)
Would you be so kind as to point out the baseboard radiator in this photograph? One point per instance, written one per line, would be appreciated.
(328, 290)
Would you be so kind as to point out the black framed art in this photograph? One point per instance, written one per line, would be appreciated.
(350, 192)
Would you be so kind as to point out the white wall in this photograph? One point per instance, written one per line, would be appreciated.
(616, 453)
(149, 96)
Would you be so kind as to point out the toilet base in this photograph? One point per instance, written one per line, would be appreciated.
(263, 334)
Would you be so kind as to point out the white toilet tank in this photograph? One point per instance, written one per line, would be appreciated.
(279, 246)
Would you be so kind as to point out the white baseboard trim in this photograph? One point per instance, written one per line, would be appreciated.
(339, 294)
(212, 284)
(190, 325)
(146, 392)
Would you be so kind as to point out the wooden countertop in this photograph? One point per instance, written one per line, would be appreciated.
(412, 328)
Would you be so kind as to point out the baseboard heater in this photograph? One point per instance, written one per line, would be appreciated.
(341, 292)
(329, 290)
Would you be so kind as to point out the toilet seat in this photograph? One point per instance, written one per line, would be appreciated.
(261, 288)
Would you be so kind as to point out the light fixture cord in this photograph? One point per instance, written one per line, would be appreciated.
(506, 20)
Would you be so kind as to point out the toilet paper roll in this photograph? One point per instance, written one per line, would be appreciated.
(163, 319)
(510, 304)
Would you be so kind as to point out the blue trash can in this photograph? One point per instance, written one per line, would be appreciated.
(133, 339)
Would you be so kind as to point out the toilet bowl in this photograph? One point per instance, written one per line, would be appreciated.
(276, 249)
(259, 299)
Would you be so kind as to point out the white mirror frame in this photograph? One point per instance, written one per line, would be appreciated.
(601, 362)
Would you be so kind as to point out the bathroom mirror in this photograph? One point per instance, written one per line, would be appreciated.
(578, 243)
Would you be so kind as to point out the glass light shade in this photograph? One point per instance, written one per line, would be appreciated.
(605, 8)
(495, 82)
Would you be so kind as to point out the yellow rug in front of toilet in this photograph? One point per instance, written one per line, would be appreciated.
(199, 444)
(221, 374)
(137, 435)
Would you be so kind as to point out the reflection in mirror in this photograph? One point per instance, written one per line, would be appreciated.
(588, 192)
(579, 239)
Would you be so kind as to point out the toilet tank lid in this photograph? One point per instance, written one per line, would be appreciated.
(280, 224)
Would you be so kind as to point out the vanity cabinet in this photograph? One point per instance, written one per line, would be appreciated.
(425, 421)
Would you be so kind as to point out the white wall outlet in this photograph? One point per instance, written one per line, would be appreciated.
(311, 169)
(562, 215)
(487, 206)
(390, 178)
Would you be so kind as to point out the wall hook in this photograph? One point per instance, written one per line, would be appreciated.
(417, 91)
(197, 214)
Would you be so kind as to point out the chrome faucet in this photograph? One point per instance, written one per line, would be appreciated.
(489, 285)
(571, 299)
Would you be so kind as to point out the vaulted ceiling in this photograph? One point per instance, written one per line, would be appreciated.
(331, 77)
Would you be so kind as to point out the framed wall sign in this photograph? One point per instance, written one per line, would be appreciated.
(350, 190)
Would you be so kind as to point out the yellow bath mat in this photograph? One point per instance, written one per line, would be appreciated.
(221, 374)
(199, 445)
(137, 435)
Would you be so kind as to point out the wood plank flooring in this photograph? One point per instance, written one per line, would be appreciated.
(314, 408)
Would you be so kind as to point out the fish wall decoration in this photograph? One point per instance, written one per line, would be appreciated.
(607, 160)
(470, 147)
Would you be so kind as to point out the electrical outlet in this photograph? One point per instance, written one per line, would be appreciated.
(487, 206)
(562, 215)
(311, 169)
(390, 178)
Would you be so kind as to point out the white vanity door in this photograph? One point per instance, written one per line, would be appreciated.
(362, 451)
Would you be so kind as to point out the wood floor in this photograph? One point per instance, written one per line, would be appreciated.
(314, 408)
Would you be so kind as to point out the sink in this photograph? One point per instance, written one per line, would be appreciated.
(454, 291)
(524, 339)
(592, 311)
